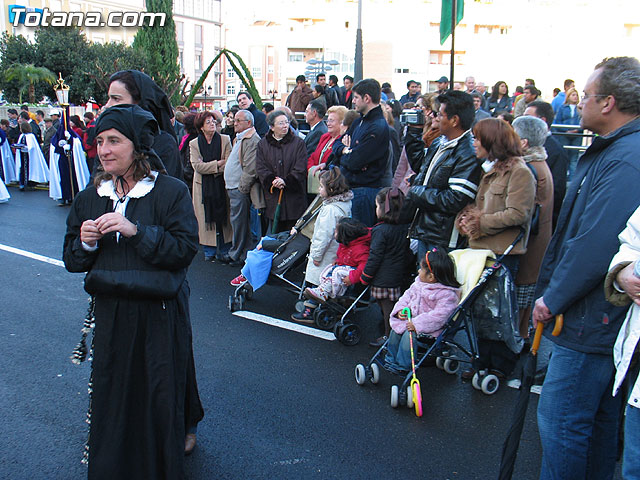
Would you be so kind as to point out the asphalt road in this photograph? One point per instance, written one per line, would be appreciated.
(279, 404)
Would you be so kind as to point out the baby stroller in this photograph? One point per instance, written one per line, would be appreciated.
(334, 314)
(494, 317)
(281, 253)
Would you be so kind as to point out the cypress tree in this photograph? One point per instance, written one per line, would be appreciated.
(160, 48)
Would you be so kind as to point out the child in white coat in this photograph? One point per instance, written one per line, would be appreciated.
(334, 190)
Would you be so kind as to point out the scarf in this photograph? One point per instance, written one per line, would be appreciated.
(213, 192)
(535, 154)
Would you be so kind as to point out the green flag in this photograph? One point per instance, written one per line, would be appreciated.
(445, 17)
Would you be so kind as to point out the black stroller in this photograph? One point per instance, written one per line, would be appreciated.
(493, 318)
(289, 252)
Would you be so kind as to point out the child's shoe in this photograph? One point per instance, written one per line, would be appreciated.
(305, 316)
(315, 294)
(239, 280)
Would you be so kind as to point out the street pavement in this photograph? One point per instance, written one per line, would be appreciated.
(279, 404)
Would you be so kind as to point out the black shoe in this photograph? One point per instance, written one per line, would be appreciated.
(378, 342)
(224, 259)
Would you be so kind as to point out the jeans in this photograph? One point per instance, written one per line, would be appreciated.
(255, 224)
(363, 205)
(631, 459)
(578, 417)
(399, 350)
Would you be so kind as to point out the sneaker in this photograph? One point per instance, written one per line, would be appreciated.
(305, 316)
(239, 280)
(315, 294)
(378, 342)
(310, 303)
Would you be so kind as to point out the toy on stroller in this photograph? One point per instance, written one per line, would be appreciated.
(488, 310)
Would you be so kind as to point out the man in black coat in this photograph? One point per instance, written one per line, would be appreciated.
(245, 102)
(363, 152)
(314, 115)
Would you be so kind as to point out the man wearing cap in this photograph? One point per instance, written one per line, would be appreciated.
(49, 131)
(55, 116)
(443, 85)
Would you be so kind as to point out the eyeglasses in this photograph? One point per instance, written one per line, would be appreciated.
(282, 124)
(238, 120)
(210, 120)
(586, 96)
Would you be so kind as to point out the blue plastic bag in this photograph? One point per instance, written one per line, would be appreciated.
(257, 266)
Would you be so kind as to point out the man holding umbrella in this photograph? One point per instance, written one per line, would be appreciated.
(577, 416)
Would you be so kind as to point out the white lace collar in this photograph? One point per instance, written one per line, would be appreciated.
(144, 186)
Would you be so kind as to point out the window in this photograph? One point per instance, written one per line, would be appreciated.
(401, 70)
(230, 73)
(443, 57)
(180, 31)
(270, 69)
(181, 60)
(490, 29)
(231, 89)
(198, 34)
(296, 57)
(197, 60)
(256, 72)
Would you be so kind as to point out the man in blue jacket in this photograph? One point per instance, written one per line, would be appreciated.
(577, 415)
(245, 102)
(363, 152)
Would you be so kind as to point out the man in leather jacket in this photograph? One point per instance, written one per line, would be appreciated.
(449, 175)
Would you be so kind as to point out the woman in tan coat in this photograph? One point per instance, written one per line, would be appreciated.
(209, 153)
(504, 205)
(533, 133)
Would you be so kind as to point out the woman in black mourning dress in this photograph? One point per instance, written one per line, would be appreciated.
(135, 234)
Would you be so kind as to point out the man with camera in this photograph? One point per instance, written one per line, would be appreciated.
(449, 174)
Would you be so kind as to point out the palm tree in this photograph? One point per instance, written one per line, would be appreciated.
(26, 76)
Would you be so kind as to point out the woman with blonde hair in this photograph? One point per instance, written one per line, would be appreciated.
(323, 152)
(568, 114)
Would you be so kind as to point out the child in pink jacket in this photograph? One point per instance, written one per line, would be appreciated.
(431, 299)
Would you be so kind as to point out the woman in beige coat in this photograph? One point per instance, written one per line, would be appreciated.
(209, 153)
(504, 205)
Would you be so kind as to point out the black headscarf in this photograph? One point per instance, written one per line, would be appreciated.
(214, 194)
(153, 99)
(137, 125)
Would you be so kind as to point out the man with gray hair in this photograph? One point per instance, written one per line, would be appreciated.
(314, 115)
(577, 414)
(243, 188)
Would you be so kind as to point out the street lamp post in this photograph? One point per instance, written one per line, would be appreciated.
(273, 94)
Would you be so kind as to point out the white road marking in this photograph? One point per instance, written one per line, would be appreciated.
(294, 327)
(34, 256)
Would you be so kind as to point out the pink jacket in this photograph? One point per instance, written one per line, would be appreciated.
(430, 304)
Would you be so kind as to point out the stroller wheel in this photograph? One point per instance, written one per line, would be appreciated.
(248, 291)
(451, 366)
(336, 329)
(440, 363)
(349, 334)
(232, 303)
(375, 373)
(409, 397)
(360, 374)
(476, 381)
(324, 318)
(394, 396)
(490, 384)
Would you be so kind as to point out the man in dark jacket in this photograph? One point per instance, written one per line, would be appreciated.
(314, 115)
(363, 152)
(329, 93)
(577, 414)
(245, 102)
(347, 91)
(557, 157)
(449, 175)
(413, 92)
